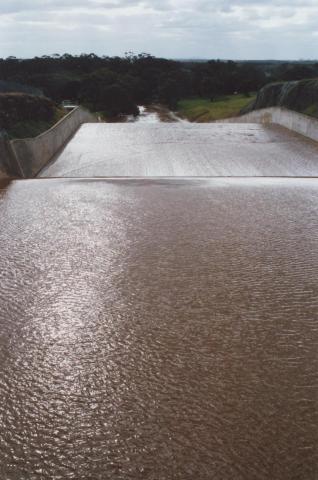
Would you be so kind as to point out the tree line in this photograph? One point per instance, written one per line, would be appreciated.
(116, 85)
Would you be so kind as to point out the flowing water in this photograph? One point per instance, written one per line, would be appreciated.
(153, 114)
(143, 117)
(184, 149)
(159, 329)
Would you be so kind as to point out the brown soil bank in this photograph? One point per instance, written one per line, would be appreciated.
(301, 96)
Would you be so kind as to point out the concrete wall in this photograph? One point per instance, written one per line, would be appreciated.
(34, 153)
(297, 122)
(8, 163)
(3, 158)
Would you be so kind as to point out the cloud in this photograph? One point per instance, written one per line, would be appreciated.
(171, 28)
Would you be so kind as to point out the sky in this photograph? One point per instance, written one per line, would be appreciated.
(225, 29)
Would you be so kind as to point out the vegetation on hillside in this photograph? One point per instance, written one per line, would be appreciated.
(301, 96)
(33, 128)
(14, 87)
(205, 110)
(23, 115)
(115, 86)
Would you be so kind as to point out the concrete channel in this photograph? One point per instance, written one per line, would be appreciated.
(178, 149)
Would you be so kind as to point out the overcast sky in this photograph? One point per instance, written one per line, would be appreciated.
(236, 29)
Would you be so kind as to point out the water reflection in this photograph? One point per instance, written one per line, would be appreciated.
(159, 329)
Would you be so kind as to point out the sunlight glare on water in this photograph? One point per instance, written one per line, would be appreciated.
(159, 329)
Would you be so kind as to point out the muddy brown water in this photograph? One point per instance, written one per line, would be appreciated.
(159, 329)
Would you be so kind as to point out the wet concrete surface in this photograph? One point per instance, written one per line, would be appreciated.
(185, 149)
(159, 329)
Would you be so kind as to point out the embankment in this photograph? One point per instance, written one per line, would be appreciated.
(32, 154)
(17, 110)
(300, 96)
(8, 166)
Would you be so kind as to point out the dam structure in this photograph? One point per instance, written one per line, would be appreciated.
(184, 150)
(159, 307)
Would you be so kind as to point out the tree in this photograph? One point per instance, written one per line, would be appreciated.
(101, 91)
(169, 93)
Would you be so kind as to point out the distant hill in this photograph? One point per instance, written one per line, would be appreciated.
(301, 96)
(14, 87)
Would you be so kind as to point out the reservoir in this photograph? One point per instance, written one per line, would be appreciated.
(158, 329)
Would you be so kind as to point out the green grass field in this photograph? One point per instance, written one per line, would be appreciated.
(203, 110)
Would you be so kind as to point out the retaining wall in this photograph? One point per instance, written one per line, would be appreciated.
(9, 166)
(34, 153)
(3, 158)
(297, 122)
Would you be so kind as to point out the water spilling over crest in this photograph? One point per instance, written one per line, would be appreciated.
(152, 148)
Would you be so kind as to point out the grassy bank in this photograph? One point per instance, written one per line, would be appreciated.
(203, 110)
(23, 115)
(33, 128)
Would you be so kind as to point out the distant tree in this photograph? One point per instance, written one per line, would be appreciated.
(142, 78)
(210, 87)
(169, 93)
(102, 92)
(249, 79)
(298, 72)
(293, 71)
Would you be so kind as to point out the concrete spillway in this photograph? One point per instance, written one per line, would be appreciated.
(107, 150)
